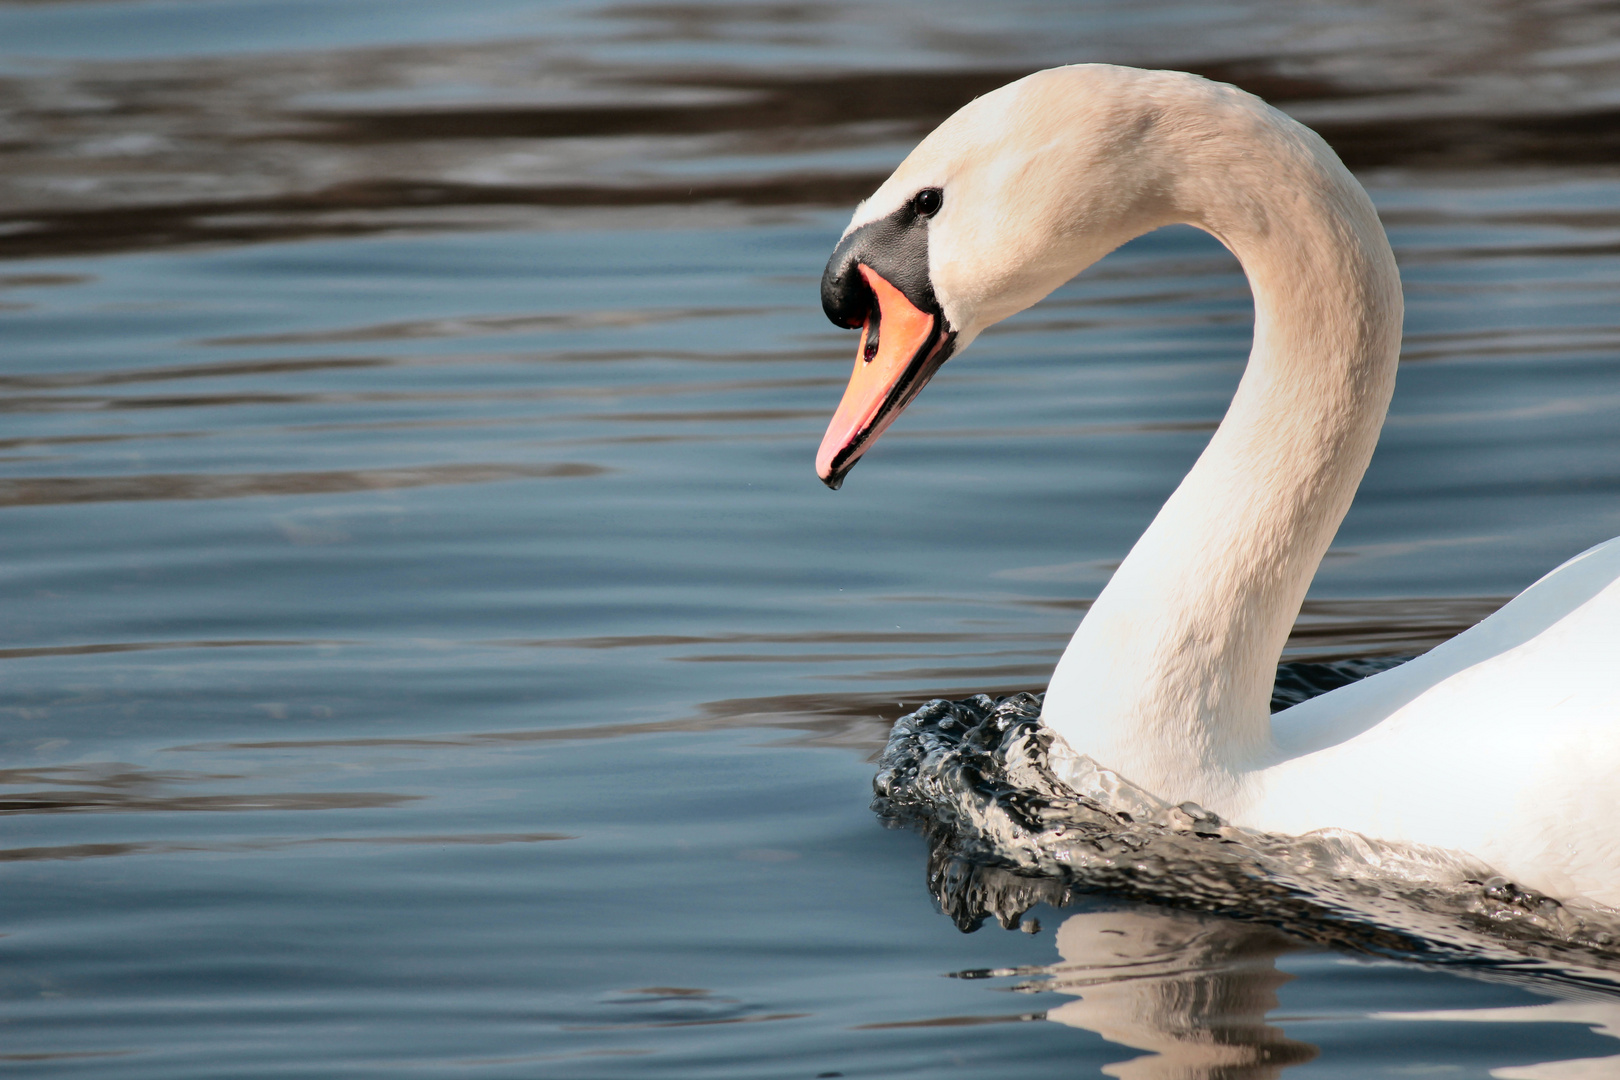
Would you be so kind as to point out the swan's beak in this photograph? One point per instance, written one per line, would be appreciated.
(901, 348)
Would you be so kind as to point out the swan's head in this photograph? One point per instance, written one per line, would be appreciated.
(1009, 198)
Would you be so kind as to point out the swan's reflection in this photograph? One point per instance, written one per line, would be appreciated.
(1193, 991)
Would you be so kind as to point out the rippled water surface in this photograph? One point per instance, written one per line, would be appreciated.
(426, 649)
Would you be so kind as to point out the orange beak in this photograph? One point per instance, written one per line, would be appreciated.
(901, 348)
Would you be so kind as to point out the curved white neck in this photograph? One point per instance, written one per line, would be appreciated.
(1168, 680)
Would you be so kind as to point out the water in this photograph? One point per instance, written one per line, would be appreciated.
(426, 647)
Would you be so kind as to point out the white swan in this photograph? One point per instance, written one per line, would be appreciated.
(1503, 743)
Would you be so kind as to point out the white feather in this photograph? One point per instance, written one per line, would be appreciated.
(1504, 743)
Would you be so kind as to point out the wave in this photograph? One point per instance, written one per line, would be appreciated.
(1014, 818)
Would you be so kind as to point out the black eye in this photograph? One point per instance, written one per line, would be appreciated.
(928, 201)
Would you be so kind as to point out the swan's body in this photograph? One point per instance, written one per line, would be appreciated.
(1503, 743)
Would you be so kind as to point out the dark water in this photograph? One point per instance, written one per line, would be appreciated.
(427, 650)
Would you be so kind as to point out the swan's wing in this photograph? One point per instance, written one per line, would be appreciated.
(1504, 742)
(1582, 589)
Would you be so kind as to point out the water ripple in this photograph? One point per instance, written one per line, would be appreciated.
(61, 490)
(1014, 818)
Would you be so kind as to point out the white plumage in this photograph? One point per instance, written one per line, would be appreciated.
(1504, 743)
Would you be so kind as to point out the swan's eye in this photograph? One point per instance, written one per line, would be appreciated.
(928, 201)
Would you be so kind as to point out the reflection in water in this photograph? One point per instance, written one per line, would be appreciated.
(1193, 991)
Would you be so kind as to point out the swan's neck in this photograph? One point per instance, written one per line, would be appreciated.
(1168, 679)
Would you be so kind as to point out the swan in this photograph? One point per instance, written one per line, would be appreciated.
(1500, 746)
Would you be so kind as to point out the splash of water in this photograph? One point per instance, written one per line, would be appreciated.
(1013, 818)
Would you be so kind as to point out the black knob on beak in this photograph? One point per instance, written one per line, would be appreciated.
(893, 247)
(845, 296)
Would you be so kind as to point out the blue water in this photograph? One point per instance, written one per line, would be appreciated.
(427, 650)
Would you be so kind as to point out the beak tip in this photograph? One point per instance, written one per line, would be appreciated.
(829, 470)
(832, 472)
(833, 461)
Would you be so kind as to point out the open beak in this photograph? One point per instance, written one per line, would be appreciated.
(901, 348)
